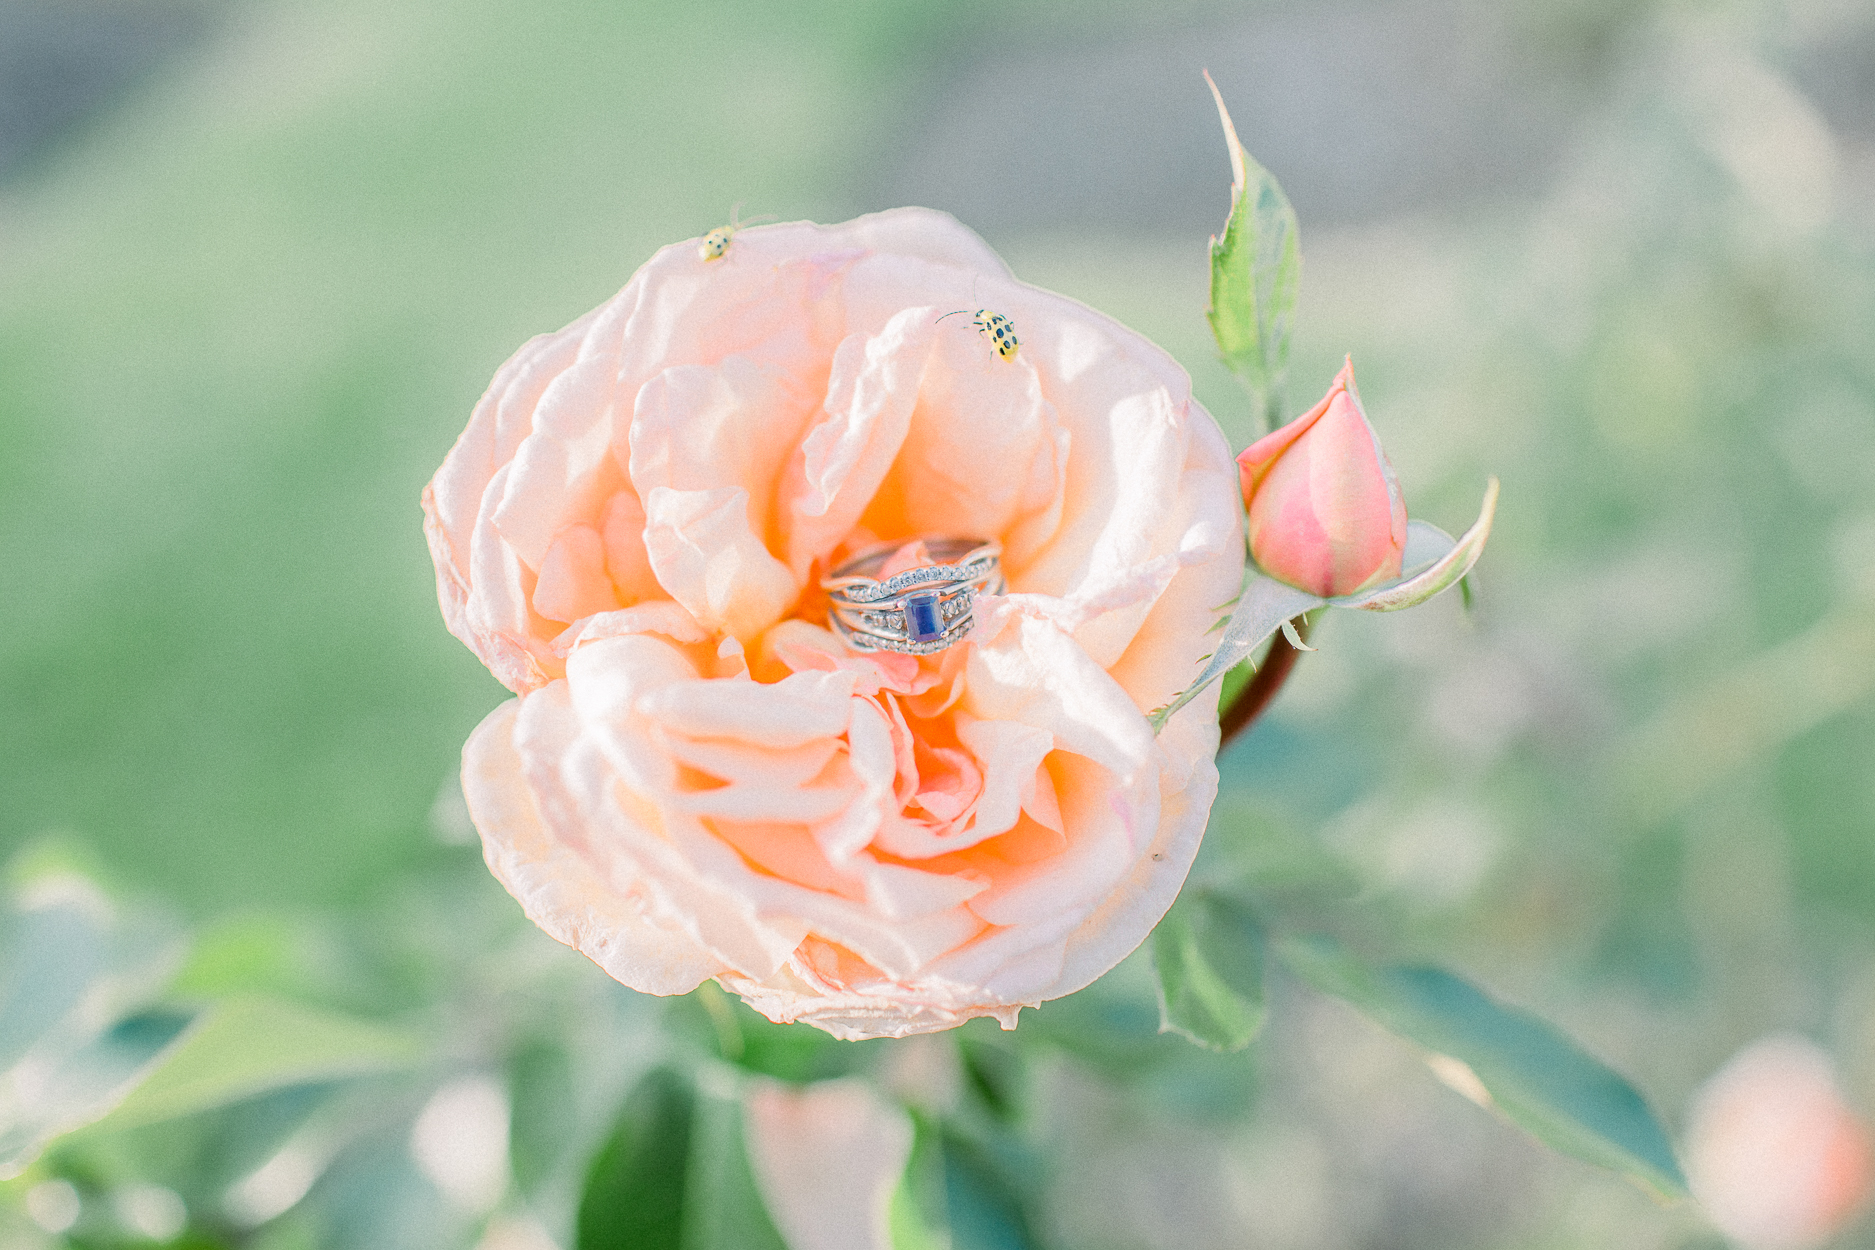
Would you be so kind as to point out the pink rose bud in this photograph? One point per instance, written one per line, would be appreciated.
(1325, 509)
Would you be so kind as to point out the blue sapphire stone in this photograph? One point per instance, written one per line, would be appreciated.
(923, 621)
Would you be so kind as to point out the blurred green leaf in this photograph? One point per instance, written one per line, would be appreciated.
(79, 1086)
(263, 953)
(1538, 1078)
(634, 1195)
(723, 1207)
(916, 1216)
(1255, 272)
(1269, 860)
(48, 956)
(1208, 953)
(375, 1196)
(288, 1233)
(543, 1103)
(731, 1030)
(909, 1228)
(994, 1070)
(244, 1046)
(1115, 1033)
(982, 1208)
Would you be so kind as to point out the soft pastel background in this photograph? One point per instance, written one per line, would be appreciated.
(258, 259)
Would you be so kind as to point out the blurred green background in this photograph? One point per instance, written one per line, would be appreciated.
(258, 260)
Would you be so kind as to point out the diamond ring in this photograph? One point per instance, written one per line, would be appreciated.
(919, 611)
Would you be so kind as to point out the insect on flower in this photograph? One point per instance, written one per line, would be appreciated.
(1002, 330)
(715, 244)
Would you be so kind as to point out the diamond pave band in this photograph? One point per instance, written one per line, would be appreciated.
(919, 611)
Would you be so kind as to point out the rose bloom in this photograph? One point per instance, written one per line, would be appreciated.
(698, 779)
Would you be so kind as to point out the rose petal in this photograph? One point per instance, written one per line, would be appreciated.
(789, 713)
(735, 425)
(572, 582)
(871, 391)
(627, 562)
(709, 557)
(659, 616)
(558, 889)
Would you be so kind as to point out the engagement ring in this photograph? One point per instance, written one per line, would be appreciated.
(918, 611)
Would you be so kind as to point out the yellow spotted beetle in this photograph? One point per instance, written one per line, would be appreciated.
(715, 244)
(1000, 329)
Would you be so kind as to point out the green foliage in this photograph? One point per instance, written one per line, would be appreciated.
(543, 1102)
(1537, 1077)
(675, 1172)
(983, 1209)
(728, 1029)
(1256, 268)
(907, 1225)
(1208, 952)
(723, 1208)
(244, 1046)
(51, 956)
(636, 1188)
(83, 1083)
(995, 1071)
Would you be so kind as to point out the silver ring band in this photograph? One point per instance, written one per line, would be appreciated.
(920, 611)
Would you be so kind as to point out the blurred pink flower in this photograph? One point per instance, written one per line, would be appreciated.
(1774, 1154)
(1326, 514)
(699, 780)
(826, 1158)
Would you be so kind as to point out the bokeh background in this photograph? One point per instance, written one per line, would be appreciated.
(257, 261)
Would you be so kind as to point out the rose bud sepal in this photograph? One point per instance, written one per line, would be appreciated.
(1433, 561)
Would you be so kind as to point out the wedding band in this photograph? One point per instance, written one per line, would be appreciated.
(921, 610)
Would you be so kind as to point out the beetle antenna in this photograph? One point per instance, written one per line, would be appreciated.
(956, 312)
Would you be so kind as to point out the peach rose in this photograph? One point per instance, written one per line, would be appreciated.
(700, 780)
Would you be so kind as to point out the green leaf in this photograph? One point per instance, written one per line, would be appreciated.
(910, 1229)
(1208, 952)
(1269, 861)
(916, 1217)
(244, 1046)
(982, 1209)
(993, 1070)
(958, 1193)
(1255, 271)
(729, 1029)
(77, 1087)
(1505, 1058)
(375, 1196)
(250, 954)
(1113, 1032)
(49, 955)
(544, 1097)
(633, 1198)
(723, 1207)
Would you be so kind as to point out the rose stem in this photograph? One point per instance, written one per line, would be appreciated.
(1261, 688)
